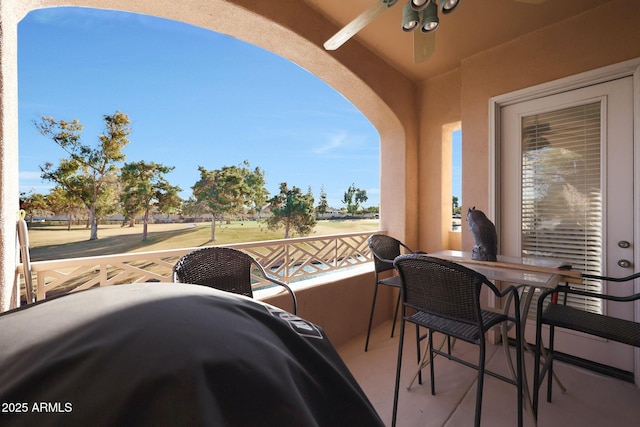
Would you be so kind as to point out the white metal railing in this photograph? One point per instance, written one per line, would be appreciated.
(290, 260)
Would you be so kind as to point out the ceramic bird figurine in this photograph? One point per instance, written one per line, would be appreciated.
(484, 234)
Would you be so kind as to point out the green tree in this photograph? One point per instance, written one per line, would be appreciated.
(223, 191)
(257, 197)
(89, 173)
(292, 210)
(33, 204)
(61, 202)
(146, 188)
(373, 209)
(353, 197)
(455, 207)
(323, 204)
(191, 207)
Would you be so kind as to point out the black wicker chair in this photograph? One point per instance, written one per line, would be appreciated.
(384, 249)
(444, 297)
(560, 315)
(226, 269)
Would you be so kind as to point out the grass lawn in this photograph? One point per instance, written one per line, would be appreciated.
(56, 242)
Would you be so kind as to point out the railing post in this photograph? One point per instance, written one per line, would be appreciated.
(40, 290)
(287, 261)
(103, 274)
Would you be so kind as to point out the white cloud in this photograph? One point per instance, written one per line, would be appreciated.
(31, 182)
(30, 176)
(334, 142)
(34, 189)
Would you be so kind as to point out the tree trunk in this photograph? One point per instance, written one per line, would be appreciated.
(144, 224)
(213, 228)
(94, 224)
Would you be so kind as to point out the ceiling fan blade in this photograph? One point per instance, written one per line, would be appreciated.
(424, 44)
(356, 25)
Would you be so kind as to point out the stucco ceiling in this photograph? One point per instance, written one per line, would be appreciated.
(475, 26)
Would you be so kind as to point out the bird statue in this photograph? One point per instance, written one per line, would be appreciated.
(484, 234)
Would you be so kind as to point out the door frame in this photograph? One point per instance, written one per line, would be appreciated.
(600, 75)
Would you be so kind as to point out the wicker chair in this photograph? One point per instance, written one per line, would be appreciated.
(560, 315)
(444, 297)
(384, 249)
(224, 268)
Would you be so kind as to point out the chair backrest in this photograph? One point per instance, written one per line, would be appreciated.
(217, 267)
(384, 249)
(440, 287)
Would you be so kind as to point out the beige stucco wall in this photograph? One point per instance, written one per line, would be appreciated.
(604, 36)
(440, 106)
(286, 27)
(342, 306)
(8, 150)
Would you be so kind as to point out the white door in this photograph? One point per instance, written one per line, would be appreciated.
(566, 190)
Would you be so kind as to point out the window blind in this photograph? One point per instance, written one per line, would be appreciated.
(561, 214)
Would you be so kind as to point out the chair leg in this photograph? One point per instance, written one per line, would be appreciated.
(398, 369)
(395, 315)
(480, 385)
(520, 380)
(550, 362)
(423, 362)
(432, 370)
(419, 356)
(537, 370)
(373, 306)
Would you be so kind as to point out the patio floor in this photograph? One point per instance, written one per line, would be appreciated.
(591, 399)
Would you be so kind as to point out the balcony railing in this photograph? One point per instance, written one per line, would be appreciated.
(290, 260)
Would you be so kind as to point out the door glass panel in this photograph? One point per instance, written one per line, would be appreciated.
(561, 214)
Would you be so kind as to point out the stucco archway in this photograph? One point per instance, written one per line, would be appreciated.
(290, 29)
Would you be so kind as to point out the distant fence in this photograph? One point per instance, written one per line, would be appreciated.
(289, 259)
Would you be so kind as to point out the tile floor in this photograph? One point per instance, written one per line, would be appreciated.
(591, 399)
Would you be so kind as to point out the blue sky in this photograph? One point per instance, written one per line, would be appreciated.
(195, 97)
(456, 165)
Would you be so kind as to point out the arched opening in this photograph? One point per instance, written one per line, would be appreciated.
(294, 31)
(194, 97)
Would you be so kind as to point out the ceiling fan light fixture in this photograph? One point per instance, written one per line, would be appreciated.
(430, 20)
(447, 6)
(410, 18)
(419, 5)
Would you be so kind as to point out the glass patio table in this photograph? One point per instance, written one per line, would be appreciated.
(532, 271)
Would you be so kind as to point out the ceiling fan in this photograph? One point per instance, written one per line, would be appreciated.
(422, 14)
(416, 14)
